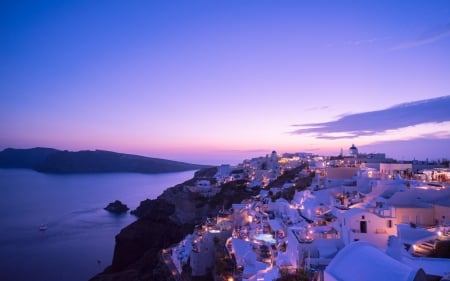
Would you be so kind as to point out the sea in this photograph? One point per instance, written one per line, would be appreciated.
(80, 235)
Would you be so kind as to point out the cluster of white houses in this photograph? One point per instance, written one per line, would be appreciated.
(364, 217)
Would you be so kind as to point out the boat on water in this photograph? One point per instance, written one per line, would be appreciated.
(43, 227)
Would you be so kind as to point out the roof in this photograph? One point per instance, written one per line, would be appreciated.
(410, 235)
(413, 198)
(275, 225)
(243, 251)
(246, 257)
(252, 268)
(353, 212)
(364, 261)
(444, 201)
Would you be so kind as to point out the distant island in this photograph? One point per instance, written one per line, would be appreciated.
(49, 160)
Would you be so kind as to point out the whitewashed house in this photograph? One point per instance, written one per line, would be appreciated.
(361, 225)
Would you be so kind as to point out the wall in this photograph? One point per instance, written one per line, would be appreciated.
(426, 216)
(341, 172)
(440, 211)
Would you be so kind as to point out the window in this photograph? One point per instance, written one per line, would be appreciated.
(389, 223)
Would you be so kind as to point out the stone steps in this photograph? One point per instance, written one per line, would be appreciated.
(423, 249)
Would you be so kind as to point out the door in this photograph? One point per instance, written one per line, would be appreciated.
(363, 226)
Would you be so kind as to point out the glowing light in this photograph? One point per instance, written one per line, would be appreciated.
(265, 237)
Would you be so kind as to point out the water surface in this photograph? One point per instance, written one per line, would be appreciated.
(79, 240)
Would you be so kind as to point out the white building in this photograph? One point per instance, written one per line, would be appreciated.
(303, 250)
(390, 170)
(361, 225)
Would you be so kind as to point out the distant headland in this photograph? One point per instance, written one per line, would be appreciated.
(49, 160)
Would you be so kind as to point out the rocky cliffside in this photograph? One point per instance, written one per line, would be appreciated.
(163, 222)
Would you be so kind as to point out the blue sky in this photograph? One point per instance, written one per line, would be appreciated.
(219, 81)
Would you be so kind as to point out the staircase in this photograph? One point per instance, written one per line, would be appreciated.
(423, 249)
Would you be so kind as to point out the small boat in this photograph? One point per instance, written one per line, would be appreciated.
(43, 227)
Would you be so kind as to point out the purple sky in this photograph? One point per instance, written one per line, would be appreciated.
(220, 81)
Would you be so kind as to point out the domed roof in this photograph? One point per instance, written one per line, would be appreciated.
(363, 261)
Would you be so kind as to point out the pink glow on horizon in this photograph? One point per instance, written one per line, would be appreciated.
(219, 79)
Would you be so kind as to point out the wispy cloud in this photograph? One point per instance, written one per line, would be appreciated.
(318, 108)
(427, 37)
(369, 41)
(405, 115)
(358, 42)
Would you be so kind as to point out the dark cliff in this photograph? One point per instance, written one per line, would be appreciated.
(163, 222)
(49, 160)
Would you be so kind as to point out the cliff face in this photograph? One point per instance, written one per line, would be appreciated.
(138, 245)
(136, 253)
(163, 222)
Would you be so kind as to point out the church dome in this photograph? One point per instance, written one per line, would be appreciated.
(353, 150)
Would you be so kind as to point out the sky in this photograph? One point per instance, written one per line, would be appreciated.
(220, 81)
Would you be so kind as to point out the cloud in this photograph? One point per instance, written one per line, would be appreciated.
(409, 149)
(318, 108)
(427, 37)
(386, 121)
(366, 41)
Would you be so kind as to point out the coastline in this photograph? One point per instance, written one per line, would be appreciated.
(71, 206)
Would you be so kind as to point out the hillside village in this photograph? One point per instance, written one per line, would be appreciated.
(361, 217)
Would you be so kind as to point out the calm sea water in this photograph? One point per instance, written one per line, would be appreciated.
(79, 234)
